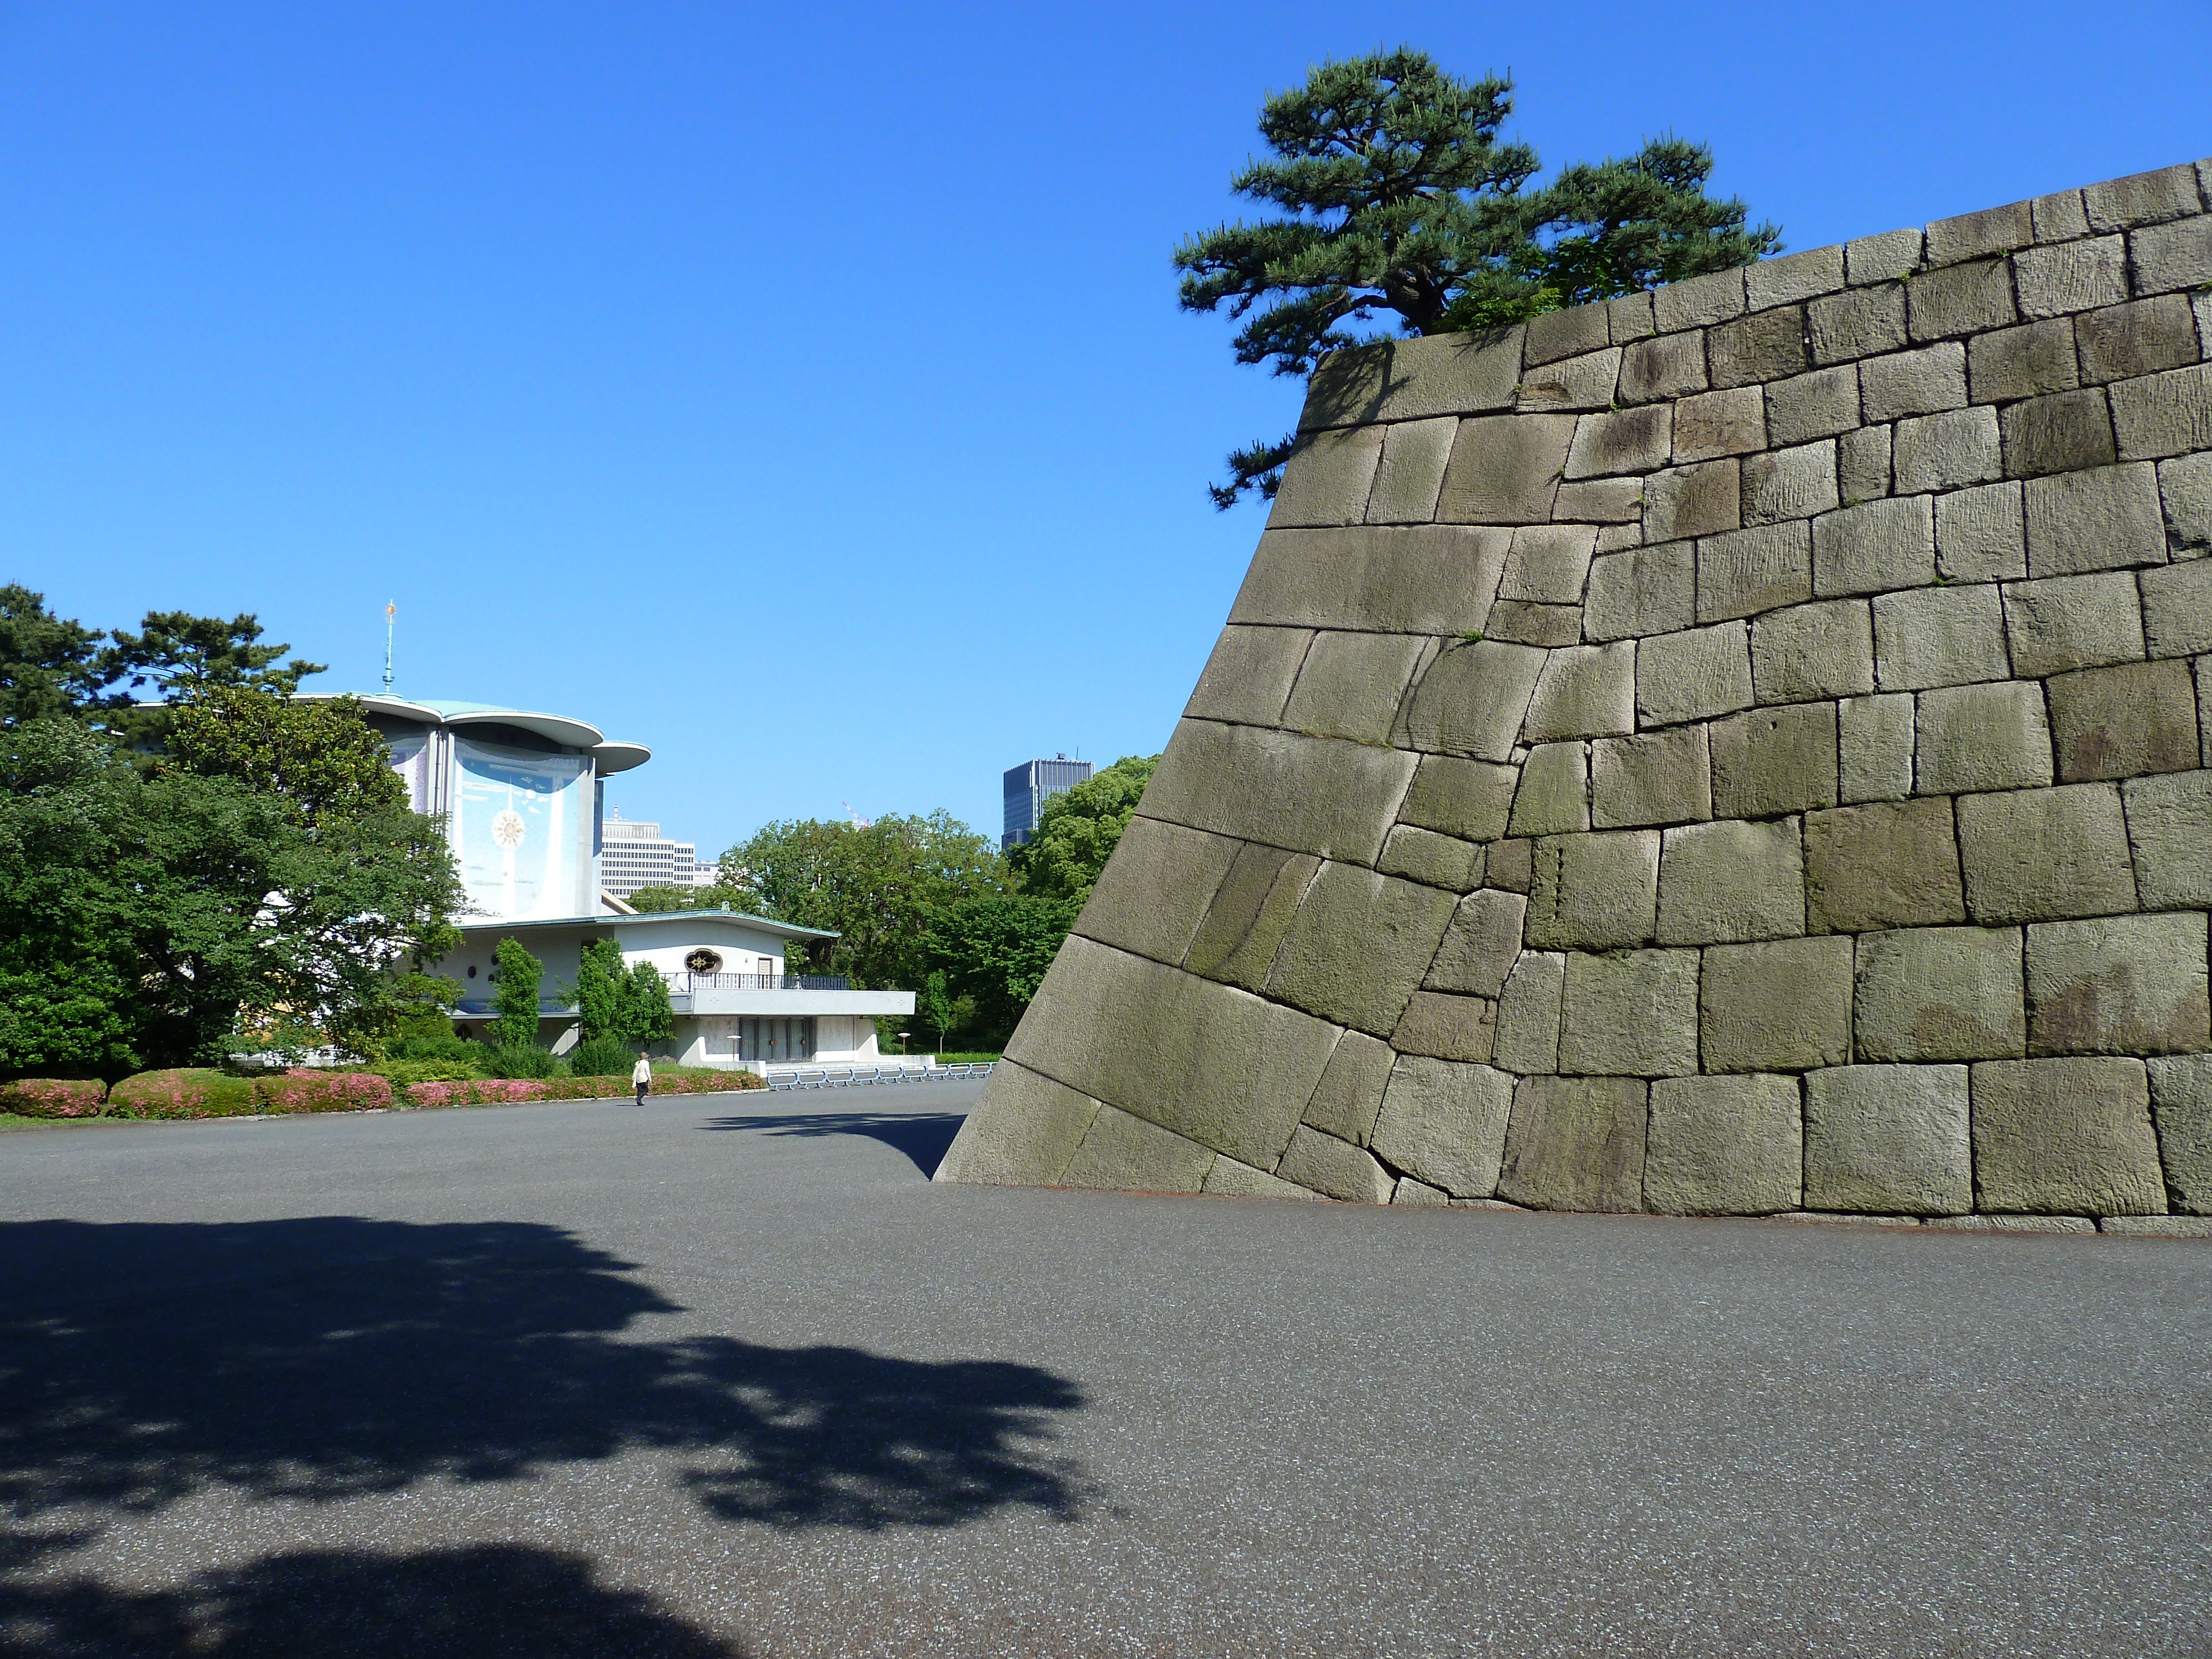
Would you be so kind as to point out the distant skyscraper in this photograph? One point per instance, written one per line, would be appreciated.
(633, 855)
(1028, 787)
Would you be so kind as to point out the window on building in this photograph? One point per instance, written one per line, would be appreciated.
(783, 1039)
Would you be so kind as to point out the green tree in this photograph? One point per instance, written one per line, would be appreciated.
(878, 886)
(50, 667)
(1079, 830)
(647, 1016)
(520, 974)
(1401, 200)
(996, 949)
(935, 1004)
(598, 989)
(321, 756)
(656, 901)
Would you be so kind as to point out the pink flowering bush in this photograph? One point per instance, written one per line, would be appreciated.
(501, 1092)
(300, 1089)
(478, 1091)
(46, 1097)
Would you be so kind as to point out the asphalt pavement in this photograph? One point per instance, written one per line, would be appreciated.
(726, 1375)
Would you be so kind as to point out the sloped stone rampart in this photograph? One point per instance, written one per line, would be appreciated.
(1744, 748)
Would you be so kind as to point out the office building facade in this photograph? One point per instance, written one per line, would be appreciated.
(1028, 787)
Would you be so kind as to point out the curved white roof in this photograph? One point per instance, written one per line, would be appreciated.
(610, 755)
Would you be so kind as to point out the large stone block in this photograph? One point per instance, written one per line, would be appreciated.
(1125, 1153)
(1772, 761)
(1411, 474)
(1337, 1169)
(2141, 338)
(1560, 334)
(1793, 277)
(1022, 1133)
(1723, 1145)
(1630, 441)
(2046, 855)
(1981, 535)
(2060, 217)
(2065, 1136)
(1595, 892)
(1887, 864)
(1616, 502)
(1433, 859)
(1693, 500)
(1156, 889)
(2143, 198)
(1783, 1005)
(1504, 469)
(1913, 382)
(1216, 1065)
(1247, 678)
(1731, 880)
(2065, 623)
(1975, 235)
(1481, 944)
(1964, 299)
(2054, 282)
(1446, 1122)
(1642, 591)
(1408, 380)
(1583, 382)
(1529, 1014)
(1633, 1013)
(1863, 464)
(2027, 361)
(2173, 256)
(1932, 636)
(2099, 520)
(1945, 451)
(1328, 478)
(1863, 323)
(1471, 699)
(1768, 345)
(2185, 486)
(2168, 413)
(1465, 797)
(1813, 650)
(1575, 1144)
(1510, 866)
(1717, 424)
(1692, 675)
(1940, 993)
(2123, 722)
(1434, 579)
(1447, 1027)
(1398, 925)
(2118, 984)
(2181, 1104)
(1227, 1178)
(1982, 736)
(2063, 432)
(2177, 607)
(1883, 258)
(1872, 549)
(1547, 563)
(1250, 913)
(1820, 404)
(1351, 685)
(1698, 301)
(1790, 483)
(1661, 777)
(1553, 799)
(1318, 795)
(1350, 1093)
(2167, 832)
(1888, 1140)
(1874, 743)
(1584, 691)
(1656, 371)
(1754, 570)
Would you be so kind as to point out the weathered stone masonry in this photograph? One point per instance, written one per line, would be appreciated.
(1739, 749)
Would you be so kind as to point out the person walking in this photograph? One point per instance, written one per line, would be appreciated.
(641, 1075)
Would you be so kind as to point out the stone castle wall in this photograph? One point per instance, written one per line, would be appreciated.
(1737, 749)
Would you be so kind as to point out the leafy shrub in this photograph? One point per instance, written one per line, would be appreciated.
(303, 1091)
(511, 1091)
(401, 1073)
(519, 1059)
(189, 1093)
(442, 1046)
(601, 1056)
(480, 1092)
(46, 1097)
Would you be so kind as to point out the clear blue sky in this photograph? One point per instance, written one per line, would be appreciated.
(800, 390)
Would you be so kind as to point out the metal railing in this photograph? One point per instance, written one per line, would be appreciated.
(854, 1077)
(690, 982)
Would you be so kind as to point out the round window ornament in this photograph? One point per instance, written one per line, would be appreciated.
(704, 961)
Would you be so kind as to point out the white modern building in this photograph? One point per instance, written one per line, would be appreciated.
(633, 853)
(523, 798)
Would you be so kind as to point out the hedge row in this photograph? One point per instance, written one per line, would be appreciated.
(199, 1093)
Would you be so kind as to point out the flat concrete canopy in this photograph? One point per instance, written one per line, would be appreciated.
(726, 1375)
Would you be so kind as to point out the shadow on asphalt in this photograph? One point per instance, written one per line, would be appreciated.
(923, 1137)
(491, 1601)
(327, 1358)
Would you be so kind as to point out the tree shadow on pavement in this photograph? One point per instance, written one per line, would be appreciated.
(330, 1357)
(489, 1601)
(923, 1137)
